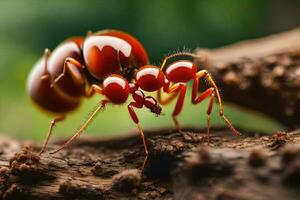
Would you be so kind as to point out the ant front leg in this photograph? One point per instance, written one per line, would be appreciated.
(174, 90)
(139, 101)
(135, 119)
(53, 123)
(212, 92)
(73, 66)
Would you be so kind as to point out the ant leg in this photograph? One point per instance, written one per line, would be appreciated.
(208, 112)
(135, 119)
(100, 107)
(195, 100)
(47, 54)
(166, 101)
(207, 76)
(92, 89)
(53, 123)
(172, 90)
(175, 55)
(73, 66)
(178, 106)
(176, 89)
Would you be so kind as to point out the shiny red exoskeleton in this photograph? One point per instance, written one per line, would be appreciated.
(114, 64)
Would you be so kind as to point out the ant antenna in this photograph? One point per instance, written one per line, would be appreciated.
(175, 55)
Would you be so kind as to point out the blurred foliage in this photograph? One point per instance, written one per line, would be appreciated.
(27, 27)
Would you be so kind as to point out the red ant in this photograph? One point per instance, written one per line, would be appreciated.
(117, 87)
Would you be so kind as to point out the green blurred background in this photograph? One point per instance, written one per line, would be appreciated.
(27, 27)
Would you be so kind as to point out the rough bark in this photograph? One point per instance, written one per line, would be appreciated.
(261, 74)
(180, 166)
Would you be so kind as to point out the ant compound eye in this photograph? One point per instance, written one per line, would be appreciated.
(150, 78)
(116, 89)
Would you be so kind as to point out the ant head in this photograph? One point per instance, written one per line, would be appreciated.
(150, 78)
(116, 89)
(152, 104)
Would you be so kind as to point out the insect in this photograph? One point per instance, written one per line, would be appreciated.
(118, 77)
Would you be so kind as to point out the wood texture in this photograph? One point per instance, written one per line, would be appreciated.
(181, 166)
